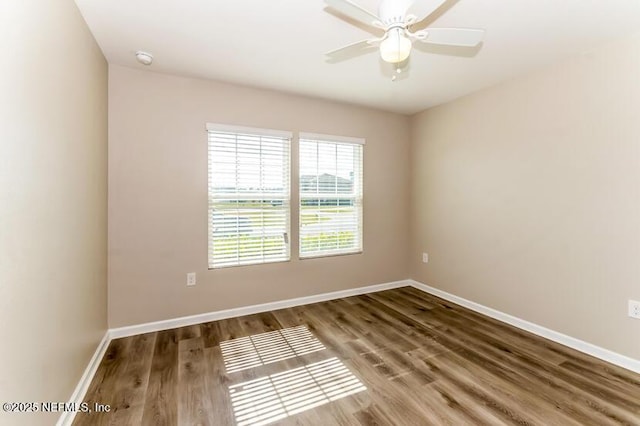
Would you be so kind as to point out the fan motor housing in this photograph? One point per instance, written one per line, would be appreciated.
(393, 11)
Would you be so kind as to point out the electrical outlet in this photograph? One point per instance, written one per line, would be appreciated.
(191, 278)
(634, 309)
(425, 257)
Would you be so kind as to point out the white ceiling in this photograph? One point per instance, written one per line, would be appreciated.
(280, 44)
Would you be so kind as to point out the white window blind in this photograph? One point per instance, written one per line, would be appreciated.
(330, 195)
(248, 196)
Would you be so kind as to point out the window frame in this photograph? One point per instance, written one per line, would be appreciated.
(358, 198)
(285, 196)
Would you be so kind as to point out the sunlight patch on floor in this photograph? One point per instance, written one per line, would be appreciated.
(274, 397)
(266, 348)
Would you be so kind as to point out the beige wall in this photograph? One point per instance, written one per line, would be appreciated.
(527, 197)
(158, 196)
(53, 201)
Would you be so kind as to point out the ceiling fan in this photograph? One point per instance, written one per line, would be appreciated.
(395, 20)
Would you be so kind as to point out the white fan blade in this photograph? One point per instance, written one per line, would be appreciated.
(451, 36)
(354, 46)
(354, 11)
(423, 8)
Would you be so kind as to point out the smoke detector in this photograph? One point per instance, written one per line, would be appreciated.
(144, 58)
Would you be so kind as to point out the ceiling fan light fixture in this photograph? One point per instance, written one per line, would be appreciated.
(396, 47)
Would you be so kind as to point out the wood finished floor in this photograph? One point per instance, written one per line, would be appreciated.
(422, 360)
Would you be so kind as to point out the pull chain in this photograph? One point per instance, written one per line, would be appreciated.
(398, 71)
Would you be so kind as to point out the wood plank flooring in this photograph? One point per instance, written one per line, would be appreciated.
(397, 357)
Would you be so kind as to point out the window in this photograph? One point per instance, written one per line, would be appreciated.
(330, 195)
(248, 195)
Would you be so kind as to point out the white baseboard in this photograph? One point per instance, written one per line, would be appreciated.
(248, 310)
(83, 385)
(577, 344)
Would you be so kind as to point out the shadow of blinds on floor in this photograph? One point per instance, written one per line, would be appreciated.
(266, 348)
(274, 397)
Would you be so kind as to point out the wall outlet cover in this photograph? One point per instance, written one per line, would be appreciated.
(191, 278)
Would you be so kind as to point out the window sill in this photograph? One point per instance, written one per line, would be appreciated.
(216, 268)
(319, 256)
